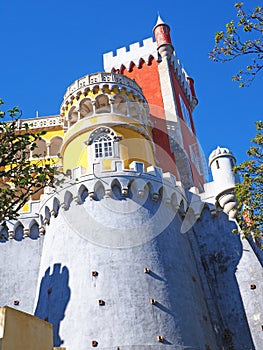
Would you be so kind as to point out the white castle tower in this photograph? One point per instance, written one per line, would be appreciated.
(221, 162)
(133, 249)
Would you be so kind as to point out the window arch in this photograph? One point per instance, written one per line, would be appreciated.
(41, 148)
(105, 143)
(103, 146)
(55, 145)
(120, 105)
(102, 104)
(86, 108)
(73, 116)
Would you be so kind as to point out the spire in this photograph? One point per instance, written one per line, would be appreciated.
(159, 21)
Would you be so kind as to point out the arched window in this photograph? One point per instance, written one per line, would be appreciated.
(120, 105)
(104, 143)
(72, 116)
(103, 146)
(102, 104)
(86, 108)
(55, 145)
(41, 148)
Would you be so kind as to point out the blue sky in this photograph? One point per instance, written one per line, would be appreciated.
(46, 45)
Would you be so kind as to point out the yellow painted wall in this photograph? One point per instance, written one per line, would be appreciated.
(76, 153)
(135, 147)
(21, 331)
(132, 147)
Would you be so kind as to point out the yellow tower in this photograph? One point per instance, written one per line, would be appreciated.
(106, 118)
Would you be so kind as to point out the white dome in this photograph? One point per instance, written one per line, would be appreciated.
(219, 152)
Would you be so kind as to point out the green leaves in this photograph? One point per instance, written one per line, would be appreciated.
(249, 191)
(20, 175)
(240, 38)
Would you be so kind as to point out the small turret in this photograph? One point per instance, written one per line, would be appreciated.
(161, 32)
(221, 162)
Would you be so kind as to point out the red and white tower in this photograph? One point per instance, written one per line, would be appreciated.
(172, 99)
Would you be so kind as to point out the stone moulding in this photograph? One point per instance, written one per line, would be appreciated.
(101, 79)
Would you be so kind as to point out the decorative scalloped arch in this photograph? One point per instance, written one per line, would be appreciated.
(99, 190)
(72, 116)
(122, 68)
(68, 198)
(83, 193)
(41, 148)
(102, 104)
(141, 62)
(47, 215)
(95, 89)
(120, 104)
(99, 130)
(34, 229)
(55, 145)
(3, 234)
(55, 206)
(18, 231)
(86, 108)
(116, 188)
(86, 91)
(150, 60)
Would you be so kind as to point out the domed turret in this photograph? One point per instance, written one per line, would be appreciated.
(221, 162)
(106, 117)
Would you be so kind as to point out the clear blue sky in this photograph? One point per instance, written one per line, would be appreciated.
(46, 45)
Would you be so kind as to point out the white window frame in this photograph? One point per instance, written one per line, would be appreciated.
(103, 146)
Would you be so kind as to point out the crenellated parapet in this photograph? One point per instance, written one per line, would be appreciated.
(118, 183)
(134, 56)
(183, 79)
(27, 226)
(137, 54)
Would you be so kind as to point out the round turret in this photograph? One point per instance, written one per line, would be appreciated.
(161, 32)
(163, 40)
(221, 162)
(105, 117)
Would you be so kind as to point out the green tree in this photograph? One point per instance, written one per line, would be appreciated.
(242, 37)
(249, 191)
(20, 176)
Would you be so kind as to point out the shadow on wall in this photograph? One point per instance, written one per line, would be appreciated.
(54, 295)
(220, 253)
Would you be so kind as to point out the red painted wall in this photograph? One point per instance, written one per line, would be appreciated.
(147, 76)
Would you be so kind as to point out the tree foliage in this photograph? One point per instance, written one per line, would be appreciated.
(243, 37)
(20, 176)
(249, 191)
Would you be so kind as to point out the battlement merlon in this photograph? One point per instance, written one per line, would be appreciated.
(135, 54)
